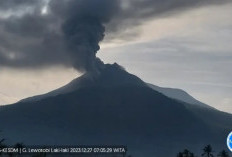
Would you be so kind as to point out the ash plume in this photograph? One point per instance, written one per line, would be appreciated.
(41, 33)
(84, 28)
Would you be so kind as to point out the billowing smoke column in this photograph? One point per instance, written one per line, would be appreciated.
(68, 32)
(82, 38)
(84, 28)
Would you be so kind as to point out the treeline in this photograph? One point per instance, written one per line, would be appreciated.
(206, 152)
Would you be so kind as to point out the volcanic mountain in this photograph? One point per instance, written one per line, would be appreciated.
(114, 107)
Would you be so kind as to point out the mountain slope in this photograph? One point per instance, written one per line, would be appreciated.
(114, 108)
(197, 107)
(111, 75)
(178, 94)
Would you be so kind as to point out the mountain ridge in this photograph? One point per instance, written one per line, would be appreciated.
(178, 94)
(94, 79)
(116, 108)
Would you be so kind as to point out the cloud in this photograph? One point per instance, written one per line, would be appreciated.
(189, 51)
(69, 32)
(135, 12)
(12, 4)
(69, 35)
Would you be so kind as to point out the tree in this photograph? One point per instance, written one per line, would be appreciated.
(191, 155)
(180, 154)
(208, 151)
(223, 154)
(185, 153)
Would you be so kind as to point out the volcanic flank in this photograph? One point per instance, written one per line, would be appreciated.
(107, 105)
(114, 108)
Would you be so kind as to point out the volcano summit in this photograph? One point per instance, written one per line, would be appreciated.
(114, 108)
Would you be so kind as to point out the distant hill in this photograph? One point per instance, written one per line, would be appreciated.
(178, 94)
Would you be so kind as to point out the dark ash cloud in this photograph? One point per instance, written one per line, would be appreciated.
(84, 28)
(69, 35)
(12, 4)
(135, 12)
(70, 32)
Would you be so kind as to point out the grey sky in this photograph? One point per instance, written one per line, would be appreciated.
(188, 49)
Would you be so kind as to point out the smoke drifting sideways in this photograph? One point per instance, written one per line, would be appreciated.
(41, 33)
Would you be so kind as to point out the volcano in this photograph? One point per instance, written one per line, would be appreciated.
(114, 107)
